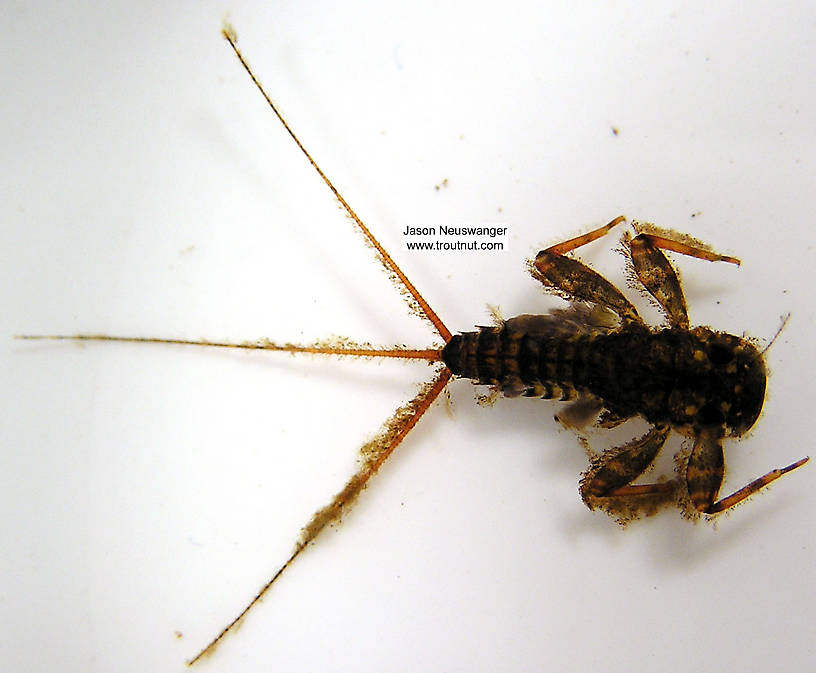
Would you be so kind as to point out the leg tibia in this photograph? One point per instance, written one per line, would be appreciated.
(753, 487)
(578, 241)
(691, 248)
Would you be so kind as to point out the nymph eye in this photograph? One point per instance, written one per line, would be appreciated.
(719, 354)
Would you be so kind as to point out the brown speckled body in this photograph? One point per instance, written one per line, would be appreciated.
(704, 384)
(693, 380)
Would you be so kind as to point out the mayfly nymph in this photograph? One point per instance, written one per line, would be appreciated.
(599, 355)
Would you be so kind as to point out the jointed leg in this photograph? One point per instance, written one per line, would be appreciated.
(658, 276)
(573, 280)
(611, 473)
(583, 239)
(690, 247)
(705, 472)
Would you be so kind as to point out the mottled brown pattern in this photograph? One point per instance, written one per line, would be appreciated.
(608, 473)
(705, 384)
(704, 473)
(697, 380)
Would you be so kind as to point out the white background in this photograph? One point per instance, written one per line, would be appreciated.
(146, 191)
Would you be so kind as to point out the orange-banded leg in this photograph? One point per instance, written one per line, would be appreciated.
(610, 474)
(704, 475)
(573, 280)
(658, 276)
